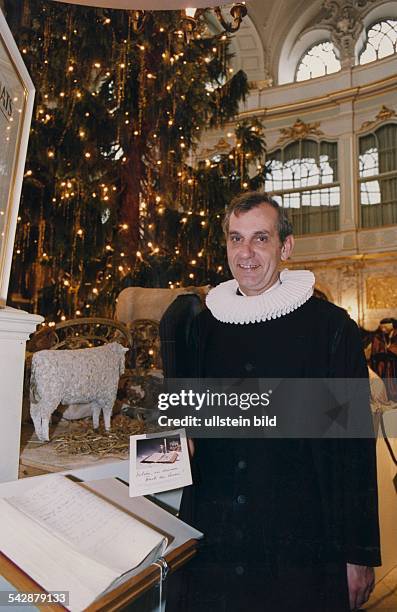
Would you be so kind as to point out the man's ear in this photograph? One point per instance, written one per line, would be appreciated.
(287, 248)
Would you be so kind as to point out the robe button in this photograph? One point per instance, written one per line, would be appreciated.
(242, 465)
(241, 499)
(239, 570)
(248, 367)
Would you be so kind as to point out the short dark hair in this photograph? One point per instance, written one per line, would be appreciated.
(252, 199)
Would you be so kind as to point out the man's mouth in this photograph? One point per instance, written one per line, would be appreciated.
(248, 266)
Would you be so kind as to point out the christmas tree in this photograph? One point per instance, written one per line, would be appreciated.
(112, 193)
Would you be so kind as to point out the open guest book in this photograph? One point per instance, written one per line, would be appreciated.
(169, 457)
(69, 538)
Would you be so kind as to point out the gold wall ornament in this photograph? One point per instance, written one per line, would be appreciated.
(222, 146)
(381, 292)
(299, 131)
(384, 114)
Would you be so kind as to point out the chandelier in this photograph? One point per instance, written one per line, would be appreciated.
(237, 12)
(190, 16)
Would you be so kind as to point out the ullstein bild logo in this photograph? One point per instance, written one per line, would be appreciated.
(5, 101)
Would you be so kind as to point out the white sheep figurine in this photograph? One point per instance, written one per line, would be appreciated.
(81, 376)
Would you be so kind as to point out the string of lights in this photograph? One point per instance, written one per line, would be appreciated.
(114, 193)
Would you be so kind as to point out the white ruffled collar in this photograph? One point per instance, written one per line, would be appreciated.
(295, 288)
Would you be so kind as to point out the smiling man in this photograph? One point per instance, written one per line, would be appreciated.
(258, 238)
(289, 524)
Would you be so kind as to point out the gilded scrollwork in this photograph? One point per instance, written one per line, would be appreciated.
(384, 114)
(299, 131)
(221, 146)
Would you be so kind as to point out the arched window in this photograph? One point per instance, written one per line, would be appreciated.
(378, 176)
(381, 41)
(304, 179)
(320, 59)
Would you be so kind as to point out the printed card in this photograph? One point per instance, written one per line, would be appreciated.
(159, 462)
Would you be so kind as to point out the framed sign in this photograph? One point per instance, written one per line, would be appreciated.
(16, 105)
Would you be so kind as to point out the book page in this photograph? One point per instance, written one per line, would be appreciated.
(49, 562)
(92, 526)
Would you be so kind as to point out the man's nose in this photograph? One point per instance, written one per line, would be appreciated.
(246, 250)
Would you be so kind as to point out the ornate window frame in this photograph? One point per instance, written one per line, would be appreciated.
(364, 45)
(319, 42)
(384, 11)
(301, 219)
(292, 52)
(385, 117)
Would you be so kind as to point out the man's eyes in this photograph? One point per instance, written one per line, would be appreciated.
(259, 238)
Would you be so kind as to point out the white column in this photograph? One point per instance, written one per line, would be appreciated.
(348, 169)
(15, 328)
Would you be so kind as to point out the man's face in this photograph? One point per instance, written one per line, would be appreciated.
(254, 250)
(386, 328)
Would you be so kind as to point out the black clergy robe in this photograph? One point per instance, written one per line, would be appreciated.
(281, 517)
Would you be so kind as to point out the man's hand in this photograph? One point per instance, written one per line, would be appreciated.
(361, 580)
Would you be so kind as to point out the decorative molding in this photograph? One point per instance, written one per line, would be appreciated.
(344, 19)
(363, 3)
(299, 131)
(330, 99)
(384, 114)
(17, 324)
(222, 146)
(381, 292)
(261, 84)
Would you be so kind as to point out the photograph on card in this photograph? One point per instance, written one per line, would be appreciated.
(159, 462)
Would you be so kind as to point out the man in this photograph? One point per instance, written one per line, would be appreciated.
(289, 524)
